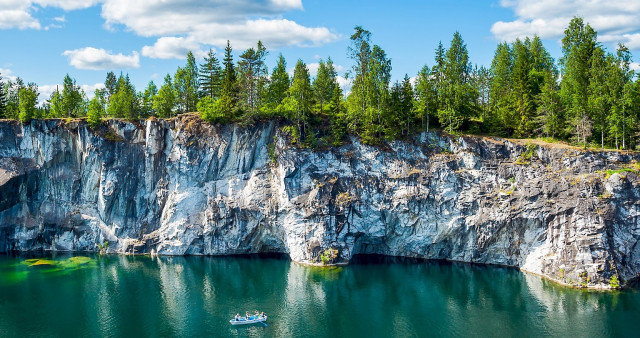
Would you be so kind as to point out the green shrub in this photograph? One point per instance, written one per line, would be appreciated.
(614, 282)
(329, 256)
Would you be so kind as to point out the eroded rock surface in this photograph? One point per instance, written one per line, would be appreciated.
(183, 187)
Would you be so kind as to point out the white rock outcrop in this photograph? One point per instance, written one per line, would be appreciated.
(183, 187)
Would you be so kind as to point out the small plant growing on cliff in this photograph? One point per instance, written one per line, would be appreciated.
(614, 282)
(102, 247)
(525, 157)
(329, 256)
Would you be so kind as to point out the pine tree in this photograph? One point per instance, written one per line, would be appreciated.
(426, 96)
(71, 98)
(110, 84)
(549, 109)
(56, 108)
(300, 90)
(578, 44)
(458, 100)
(164, 101)
(229, 95)
(95, 110)
(323, 85)
(406, 101)
(501, 104)
(210, 76)
(150, 92)
(338, 122)
(252, 72)
(278, 87)
(28, 97)
(191, 95)
(360, 53)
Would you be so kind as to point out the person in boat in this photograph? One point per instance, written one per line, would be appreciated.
(237, 318)
(255, 313)
(262, 314)
(246, 313)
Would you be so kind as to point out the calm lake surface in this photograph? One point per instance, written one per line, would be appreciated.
(196, 296)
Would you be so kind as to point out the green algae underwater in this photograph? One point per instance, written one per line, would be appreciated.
(93, 295)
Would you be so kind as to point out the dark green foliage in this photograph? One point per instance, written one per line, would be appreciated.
(210, 76)
(124, 102)
(252, 73)
(71, 98)
(164, 100)
(229, 94)
(95, 111)
(28, 98)
(597, 100)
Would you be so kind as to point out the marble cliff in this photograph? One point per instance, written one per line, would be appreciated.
(183, 187)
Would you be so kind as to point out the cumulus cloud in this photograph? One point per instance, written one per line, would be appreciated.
(191, 22)
(18, 13)
(182, 24)
(173, 48)
(100, 59)
(615, 20)
(7, 74)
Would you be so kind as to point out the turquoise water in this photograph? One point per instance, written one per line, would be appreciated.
(196, 296)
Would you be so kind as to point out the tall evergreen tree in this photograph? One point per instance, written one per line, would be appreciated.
(323, 83)
(95, 110)
(253, 72)
(360, 53)
(110, 84)
(300, 90)
(146, 107)
(426, 96)
(28, 98)
(164, 101)
(279, 84)
(191, 95)
(210, 76)
(56, 107)
(458, 100)
(71, 98)
(229, 95)
(578, 44)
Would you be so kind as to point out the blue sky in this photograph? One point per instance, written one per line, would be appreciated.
(42, 40)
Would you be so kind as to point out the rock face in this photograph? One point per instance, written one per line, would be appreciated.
(182, 187)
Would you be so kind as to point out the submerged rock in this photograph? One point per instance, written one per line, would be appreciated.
(183, 187)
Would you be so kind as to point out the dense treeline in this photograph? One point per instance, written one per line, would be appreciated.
(590, 96)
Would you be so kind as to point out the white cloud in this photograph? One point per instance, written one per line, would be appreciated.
(635, 66)
(273, 33)
(18, 13)
(6, 74)
(100, 59)
(196, 22)
(67, 5)
(615, 20)
(154, 18)
(59, 19)
(173, 48)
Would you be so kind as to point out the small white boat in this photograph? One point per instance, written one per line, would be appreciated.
(250, 320)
